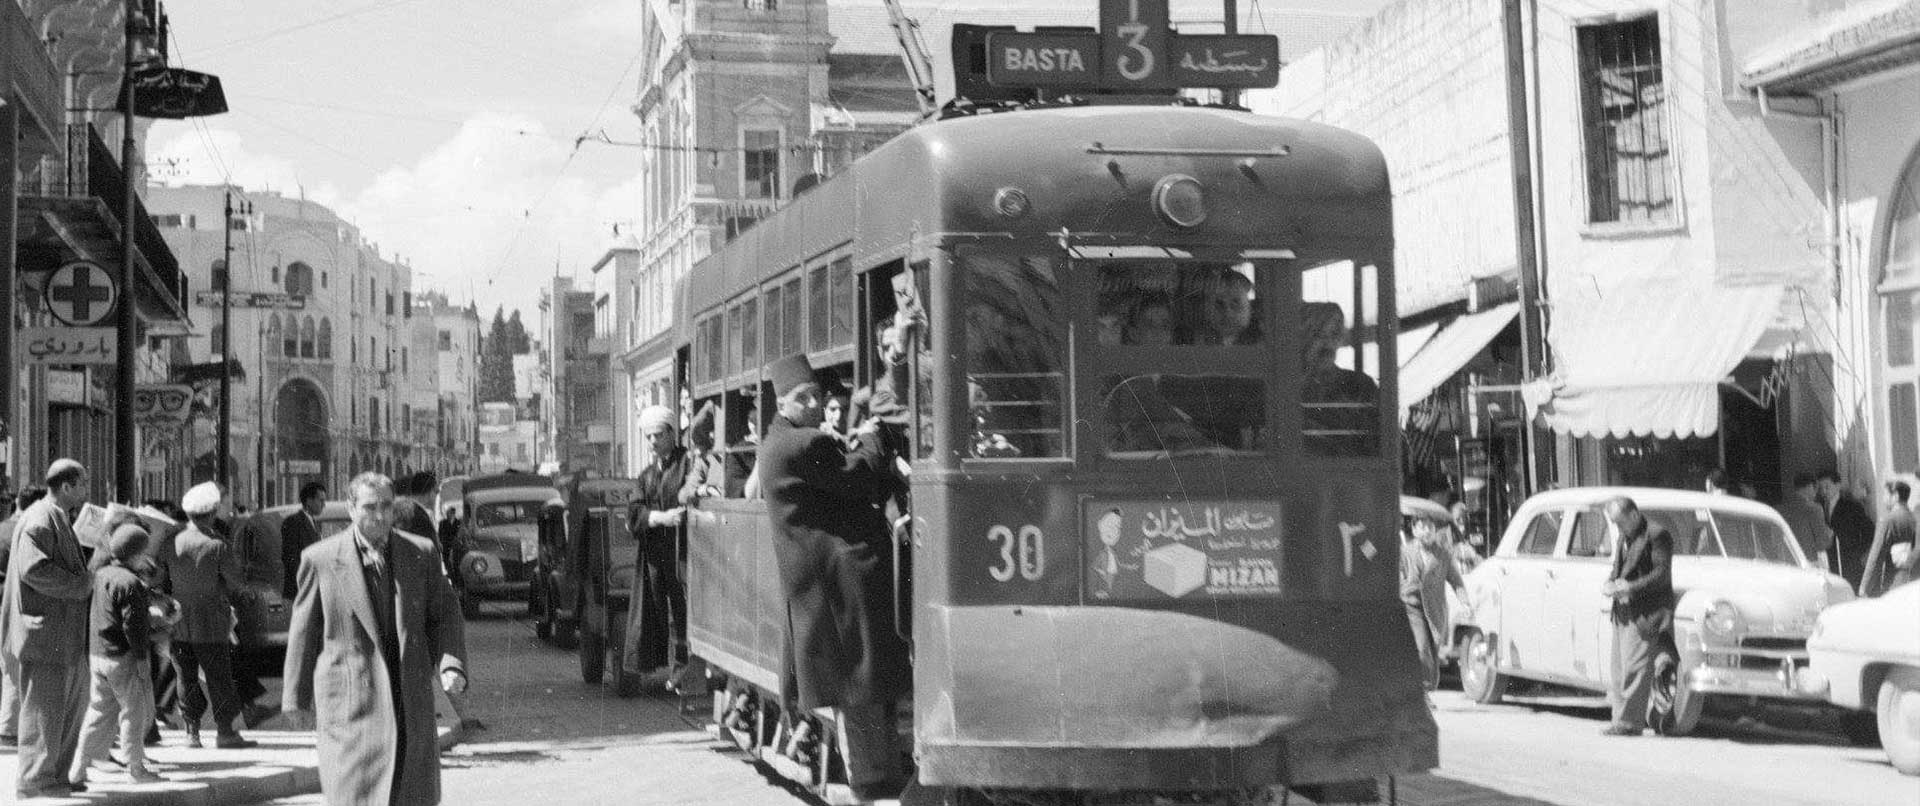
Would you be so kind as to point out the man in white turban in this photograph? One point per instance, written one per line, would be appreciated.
(203, 573)
(657, 620)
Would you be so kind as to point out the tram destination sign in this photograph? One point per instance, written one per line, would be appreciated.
(1136, 49)
(254, 299)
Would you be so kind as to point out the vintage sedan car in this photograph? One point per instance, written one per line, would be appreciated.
(1865, 655)
(264, 616)
(501, 536)
(1747, 600)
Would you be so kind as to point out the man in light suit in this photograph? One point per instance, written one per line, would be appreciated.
(203, 573)
(374, 620)
(48, 587)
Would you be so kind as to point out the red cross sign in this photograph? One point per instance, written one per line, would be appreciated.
(81, 293)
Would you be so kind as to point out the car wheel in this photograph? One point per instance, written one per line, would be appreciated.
(1478, 677)
(1898, 709)
(566, 633)
(1862, 728)
(1674, 709)
(593, 657)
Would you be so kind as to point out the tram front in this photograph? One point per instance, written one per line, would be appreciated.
(1155, 536)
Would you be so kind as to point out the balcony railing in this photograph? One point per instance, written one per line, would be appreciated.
(24, 63)
(91, 170)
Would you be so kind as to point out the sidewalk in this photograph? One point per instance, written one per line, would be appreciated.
(283, 765)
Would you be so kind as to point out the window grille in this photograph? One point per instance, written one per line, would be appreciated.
(760, 163)
(1624, 113)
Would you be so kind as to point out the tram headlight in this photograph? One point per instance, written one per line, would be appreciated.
(1011, 202)
(1180, 201)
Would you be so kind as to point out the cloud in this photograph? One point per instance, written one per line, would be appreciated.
(185, 154)
(604, 22)
(484, 211)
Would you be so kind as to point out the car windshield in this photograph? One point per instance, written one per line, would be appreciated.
(502, 514)
(1707, 533)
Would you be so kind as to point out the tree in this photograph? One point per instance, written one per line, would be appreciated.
(522, 344)
(496, 361)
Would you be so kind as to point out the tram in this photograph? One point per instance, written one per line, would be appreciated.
(1154, 461)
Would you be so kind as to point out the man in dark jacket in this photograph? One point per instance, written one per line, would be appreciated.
(298, 531)
(1642, 589)
(1850, 526)
(201, 571)
(657, 621)
(1896, 529)
(832, 546)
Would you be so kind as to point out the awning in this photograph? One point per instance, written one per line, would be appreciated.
(1647, 358)
(1864, 39)
(1447, 352)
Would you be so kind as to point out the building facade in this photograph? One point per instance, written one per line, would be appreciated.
(1684, 283)
(64, 192)
(457, 336)
(581, 413)
(323, 324)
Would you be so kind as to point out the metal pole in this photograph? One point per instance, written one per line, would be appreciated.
(1519, 138)
(1228, 95)
(9, 276)
(225, 276)
(126, 457)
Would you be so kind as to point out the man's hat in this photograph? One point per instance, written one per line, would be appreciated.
(203, 499)
(790, 372)
(654, 418)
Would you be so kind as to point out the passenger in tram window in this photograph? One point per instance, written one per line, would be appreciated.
(1140, 421)
(704, 472)
(1151, 324)
(835, 420)
(1226, 310)
(1341, 404)
(1110, 324)
(740, 455)
(987, 444)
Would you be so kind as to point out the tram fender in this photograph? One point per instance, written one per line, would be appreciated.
(1119, 678)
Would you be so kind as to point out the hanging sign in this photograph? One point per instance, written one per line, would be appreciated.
(70, 345)
(162, 405)
(80, 293)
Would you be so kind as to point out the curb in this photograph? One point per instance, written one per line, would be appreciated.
(276, 781)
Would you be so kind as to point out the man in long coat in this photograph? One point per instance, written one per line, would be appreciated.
(657, 617)
(203, 573)
(47, 592)
(833, 548)
(374, 620)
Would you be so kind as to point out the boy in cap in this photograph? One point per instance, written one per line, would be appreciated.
(202, 572)
(122, 687)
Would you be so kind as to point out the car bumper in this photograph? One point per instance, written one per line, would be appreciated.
(1787, 680)
(486, 573)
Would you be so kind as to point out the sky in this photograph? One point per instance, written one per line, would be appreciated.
(447, 130)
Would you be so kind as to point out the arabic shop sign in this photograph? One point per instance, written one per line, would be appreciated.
(1136, 49)
(254, 299)
(1146, 551)
(69, 345)
(175, 94)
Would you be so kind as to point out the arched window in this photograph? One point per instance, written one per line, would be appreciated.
(273, 329)
(326, 337)
(306, 338)
(299, 279)
(290, 343)
(1899, 296)
(373, 416)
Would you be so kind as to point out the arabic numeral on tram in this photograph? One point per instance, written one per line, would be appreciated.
(1024, 554)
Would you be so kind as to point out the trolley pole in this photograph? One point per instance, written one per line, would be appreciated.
(126, 456)
(1228, 95)
(1525, 232)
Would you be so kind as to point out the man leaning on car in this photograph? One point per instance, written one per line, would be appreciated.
(1642, 589)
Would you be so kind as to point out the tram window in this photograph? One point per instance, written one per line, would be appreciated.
(1336, 328)
(840, 324)
(1155, 416)
(1163, 302)
(1016, 345)
(749, 334)
(819, 309)
(743, 440)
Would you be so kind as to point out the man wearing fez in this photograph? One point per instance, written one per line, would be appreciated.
(656, 519)
(45, 625)
(831, 543)
(203, 573)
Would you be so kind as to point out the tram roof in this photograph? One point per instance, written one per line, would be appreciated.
(938, 179)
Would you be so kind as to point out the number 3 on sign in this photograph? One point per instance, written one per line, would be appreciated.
(1025, 554)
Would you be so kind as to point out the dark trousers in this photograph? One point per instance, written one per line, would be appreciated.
(870, 743)
(657, 618)
(189, 661)
(1423, 643)
(1635, 646)
(53, 704)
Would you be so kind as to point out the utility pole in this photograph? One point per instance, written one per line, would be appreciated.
(224, 277)
(1525, 230)
(10, 394)
(126, 456)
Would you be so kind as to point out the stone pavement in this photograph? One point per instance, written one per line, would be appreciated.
(283, 765)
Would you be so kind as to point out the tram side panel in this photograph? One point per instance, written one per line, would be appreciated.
(736, 615)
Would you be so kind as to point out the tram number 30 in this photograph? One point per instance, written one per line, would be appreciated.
(1023, 553)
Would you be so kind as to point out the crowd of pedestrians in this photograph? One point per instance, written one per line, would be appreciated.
(102, 640)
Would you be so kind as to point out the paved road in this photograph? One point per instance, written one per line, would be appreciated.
(554, 740)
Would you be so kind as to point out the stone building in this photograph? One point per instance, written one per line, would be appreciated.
(325, 331)
(457, 335)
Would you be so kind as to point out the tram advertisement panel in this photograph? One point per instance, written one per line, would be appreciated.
(1145, 551)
